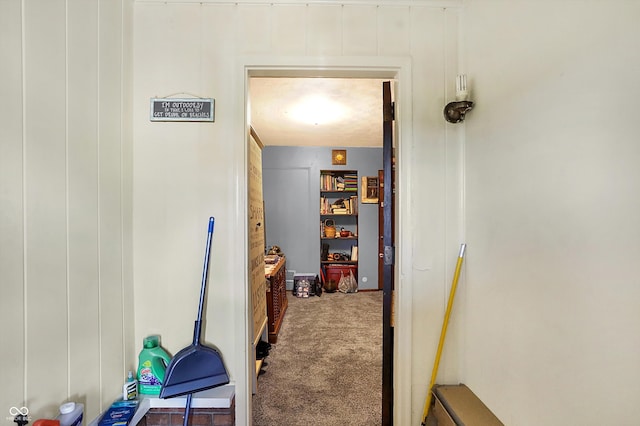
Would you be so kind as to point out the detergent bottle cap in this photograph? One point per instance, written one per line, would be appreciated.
(71, 414)
(67, 408)
(151, 342)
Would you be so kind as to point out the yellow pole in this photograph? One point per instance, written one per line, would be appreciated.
(443, 333)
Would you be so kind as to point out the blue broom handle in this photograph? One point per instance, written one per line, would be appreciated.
(205, 275)
(187, 410)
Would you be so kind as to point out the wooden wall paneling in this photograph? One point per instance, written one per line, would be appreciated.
(45, 204)
(12, 303)
(430, 63)
(50, 218)
(324, 29)
(453, 159)
(254, 29)
(82, 163)
(359, 36)
(288, 29)
(180, 35)
(154, 19)
(131, 348)
(175, 154)
(394, 30)
(218, 23)
(109, 199)
(428, 60)
(428, 53)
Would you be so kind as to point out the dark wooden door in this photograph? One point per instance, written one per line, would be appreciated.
(380, 230)
(388, 254)
(381, 223)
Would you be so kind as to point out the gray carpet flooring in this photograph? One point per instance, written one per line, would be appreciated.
(326, 367)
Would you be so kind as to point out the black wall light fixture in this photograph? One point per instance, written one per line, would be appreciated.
(454, 112)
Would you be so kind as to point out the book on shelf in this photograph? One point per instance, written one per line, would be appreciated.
(354, 253)
(325, 208)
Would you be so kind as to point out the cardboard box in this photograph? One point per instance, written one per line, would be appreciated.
(457, 405)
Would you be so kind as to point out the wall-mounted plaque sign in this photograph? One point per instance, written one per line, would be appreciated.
(179, 109)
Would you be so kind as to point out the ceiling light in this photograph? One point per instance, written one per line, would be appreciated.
(318, 109)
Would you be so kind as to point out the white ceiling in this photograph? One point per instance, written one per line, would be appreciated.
(274, 101)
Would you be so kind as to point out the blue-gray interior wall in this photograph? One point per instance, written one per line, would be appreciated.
(291, 190)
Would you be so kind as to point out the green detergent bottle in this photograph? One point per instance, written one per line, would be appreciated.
(152, 363)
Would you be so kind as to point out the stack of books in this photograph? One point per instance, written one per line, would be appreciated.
(340, 206)
(351, 182)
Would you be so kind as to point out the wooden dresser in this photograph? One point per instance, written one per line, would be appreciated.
(276, 297)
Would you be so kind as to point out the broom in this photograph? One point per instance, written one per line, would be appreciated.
(443, 334)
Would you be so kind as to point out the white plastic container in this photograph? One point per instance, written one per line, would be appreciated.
(71, 414)
(130, 388)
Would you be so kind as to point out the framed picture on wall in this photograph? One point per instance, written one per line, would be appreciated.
(339, 157)
(370, 189)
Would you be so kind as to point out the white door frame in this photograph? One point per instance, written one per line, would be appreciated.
(397, 69)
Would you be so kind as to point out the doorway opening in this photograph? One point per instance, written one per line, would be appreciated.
(302, 122)
(392, 73)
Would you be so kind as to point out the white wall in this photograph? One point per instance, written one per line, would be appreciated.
(551, 299)
(66, 322)
(184, 172)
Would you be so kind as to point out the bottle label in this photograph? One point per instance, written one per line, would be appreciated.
(149, 383)
(78, 422)
(130, 391)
